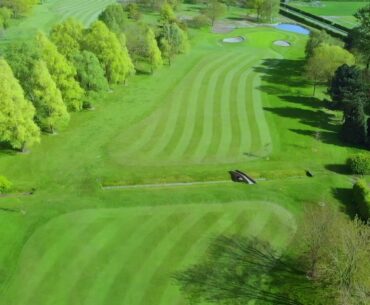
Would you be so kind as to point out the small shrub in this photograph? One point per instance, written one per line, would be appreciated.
(87, 105)
(5, 185)
(361, 197)
(359, 164)
(199, 21)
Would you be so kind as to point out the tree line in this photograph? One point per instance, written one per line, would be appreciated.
(345, 70)
(42, 81)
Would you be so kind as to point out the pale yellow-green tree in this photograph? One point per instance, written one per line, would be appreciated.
(324, 62)
(153, 52)
(67, 36)
(111, 52)
(16, 113)
(62, 72)
(51, 112)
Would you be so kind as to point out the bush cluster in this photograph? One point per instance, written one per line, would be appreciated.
(5, 185)
(359, 164)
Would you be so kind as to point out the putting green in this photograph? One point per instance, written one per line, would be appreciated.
(128, 255)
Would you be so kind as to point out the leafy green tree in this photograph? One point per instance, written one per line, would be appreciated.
(67, 36)
(359, 37)
(153, 52)
(347, 81)
(22, 57)
(62, 72)
(318, 38)
(51, 112)
(354, 129)
(215, 10)
(266, 10)
(133, 11)
(173, 40)
(166, 14)
(16, 113)
(325, 60)
(114, 17)
(90, 73)
(112, 55)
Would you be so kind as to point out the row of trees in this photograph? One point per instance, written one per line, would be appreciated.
(348, 82)
(41, 82)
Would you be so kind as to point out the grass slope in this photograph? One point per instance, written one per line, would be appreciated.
(122, 262)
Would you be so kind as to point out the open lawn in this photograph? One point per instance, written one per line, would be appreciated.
(217, 108)
(338, 11)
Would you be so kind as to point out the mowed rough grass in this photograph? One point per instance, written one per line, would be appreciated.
(129, 256)
(214, 114)
(338, 11)
(51, 12)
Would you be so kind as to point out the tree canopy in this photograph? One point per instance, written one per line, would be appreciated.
(67, 36)
(51, 112)
(114, 17)
(112, 54)
(16, 113)
(215, 10)
(62, 72)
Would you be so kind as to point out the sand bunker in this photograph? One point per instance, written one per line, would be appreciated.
(282, 43)
(234, 39)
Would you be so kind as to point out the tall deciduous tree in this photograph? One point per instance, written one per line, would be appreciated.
(5, 16)
(325, 60)
(266, 10)
(16, 113)
(67, 36)
(354, 129)
(112, 54)
(346, 83)
(90, 73)
(114, 17)
(62, 72)
(51, 112)
(173, 41)
(152, 50)
(215, 10)
(316, 39)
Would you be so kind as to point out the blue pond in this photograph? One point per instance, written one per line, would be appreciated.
(293, 28)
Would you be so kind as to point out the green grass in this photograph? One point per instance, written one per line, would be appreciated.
(339, 11)
(218, 107)
(120, 261)
(52, 12)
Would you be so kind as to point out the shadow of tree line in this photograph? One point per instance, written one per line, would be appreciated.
(284, 78)
(238, 269)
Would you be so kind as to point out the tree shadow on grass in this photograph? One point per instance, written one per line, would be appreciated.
(345, 196)
(239, 269)
(338, 168)
(285, 72)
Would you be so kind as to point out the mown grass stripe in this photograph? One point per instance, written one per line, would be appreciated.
(201, 116)
(184, 252)
(68, 273)
(229, 113)
(204, 135)
(264, 131)
(107, 275)
(121, 289)
(218, 123)
(49, 260)
(190, 114)
(144, 142)
(153, 260)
